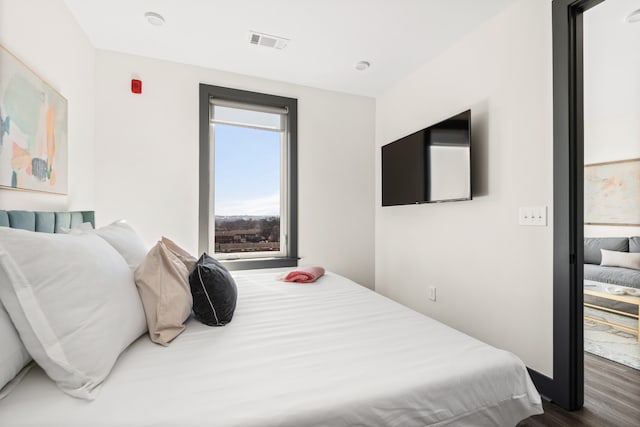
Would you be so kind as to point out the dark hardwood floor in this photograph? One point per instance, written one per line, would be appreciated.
(611, 399)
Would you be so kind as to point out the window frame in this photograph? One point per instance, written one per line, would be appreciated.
(206, 209)
(282, 131)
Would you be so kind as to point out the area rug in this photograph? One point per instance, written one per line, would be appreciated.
(611, 343)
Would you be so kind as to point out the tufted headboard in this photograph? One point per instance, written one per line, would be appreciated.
(46, 222)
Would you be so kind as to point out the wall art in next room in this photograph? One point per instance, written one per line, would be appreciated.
(33, 130)
(612, 193)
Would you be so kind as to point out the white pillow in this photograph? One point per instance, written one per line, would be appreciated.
(121, 236)
(73, 301)
(620, 259)
(78, 229)
(126, 241)
(13, 356)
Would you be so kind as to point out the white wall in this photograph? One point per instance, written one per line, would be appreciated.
(44, 35)
(147, 159)
(493, 277)
(611, 92)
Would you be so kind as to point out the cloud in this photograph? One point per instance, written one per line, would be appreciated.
(269, 205)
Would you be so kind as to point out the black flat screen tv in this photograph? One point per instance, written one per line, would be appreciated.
(429, 166)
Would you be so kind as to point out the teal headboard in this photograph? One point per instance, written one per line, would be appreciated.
(45, 222)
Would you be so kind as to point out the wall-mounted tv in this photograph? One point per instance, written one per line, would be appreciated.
(429, 166)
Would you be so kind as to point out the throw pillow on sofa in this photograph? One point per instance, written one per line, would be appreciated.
(620, 259)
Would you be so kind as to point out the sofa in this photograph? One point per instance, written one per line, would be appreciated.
(621, 276)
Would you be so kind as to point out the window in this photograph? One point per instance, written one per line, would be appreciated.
(248, 180)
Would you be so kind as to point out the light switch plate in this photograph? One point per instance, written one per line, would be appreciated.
(533, 215)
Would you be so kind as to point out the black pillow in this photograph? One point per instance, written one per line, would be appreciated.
(214, 292)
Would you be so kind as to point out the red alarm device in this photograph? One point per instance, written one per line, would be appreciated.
(136, 86)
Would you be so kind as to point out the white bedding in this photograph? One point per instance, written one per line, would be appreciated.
(330, 353)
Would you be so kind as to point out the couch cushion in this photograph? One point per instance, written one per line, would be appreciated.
(592, 246)
(634, 244)
(614, 275)
(620, 259)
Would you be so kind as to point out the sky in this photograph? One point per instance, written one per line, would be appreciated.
(246, 171)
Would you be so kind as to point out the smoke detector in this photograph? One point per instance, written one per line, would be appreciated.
(267, 40)
(362, 65)
(154, 18)
(633, 17)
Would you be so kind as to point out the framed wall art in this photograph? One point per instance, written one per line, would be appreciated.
(612, 193)
(33, 130)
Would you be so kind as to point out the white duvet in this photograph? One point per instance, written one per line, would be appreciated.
(330, 353)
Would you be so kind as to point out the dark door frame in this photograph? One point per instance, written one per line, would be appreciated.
(567, 386)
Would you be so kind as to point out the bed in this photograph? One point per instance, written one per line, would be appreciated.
(331, 353)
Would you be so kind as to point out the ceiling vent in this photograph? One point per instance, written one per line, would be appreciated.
(267, 40)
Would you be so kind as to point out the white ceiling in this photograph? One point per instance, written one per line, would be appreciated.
(327, 36)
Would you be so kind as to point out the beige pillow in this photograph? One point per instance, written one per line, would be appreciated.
(163, 283)
(188, 260)
(620, 259)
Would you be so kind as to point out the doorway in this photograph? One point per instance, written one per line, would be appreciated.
(567, 386)
(611, 198)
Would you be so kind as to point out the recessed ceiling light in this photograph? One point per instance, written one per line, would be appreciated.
(154, 18)
(362, 65)
(633, 16)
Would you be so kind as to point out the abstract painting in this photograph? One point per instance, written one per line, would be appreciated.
(612, 193)
(33, 130)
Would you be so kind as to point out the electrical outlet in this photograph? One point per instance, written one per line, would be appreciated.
(432, 293)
